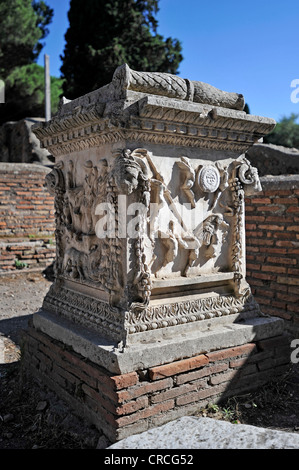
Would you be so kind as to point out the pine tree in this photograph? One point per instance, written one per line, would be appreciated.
(23, 24)
(104, 34)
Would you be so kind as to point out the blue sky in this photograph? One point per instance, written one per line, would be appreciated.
(249, 47)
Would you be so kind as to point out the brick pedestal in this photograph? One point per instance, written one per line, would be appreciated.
(125, 404)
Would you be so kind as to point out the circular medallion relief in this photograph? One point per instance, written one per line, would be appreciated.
(209, 179)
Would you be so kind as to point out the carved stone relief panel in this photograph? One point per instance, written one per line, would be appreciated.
(124, 221)
(186, 227)
(194, 223)
(82, 255)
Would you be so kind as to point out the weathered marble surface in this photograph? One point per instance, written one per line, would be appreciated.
(149, 183)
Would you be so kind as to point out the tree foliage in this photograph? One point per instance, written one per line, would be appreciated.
(286, 132)
(104, 34)
(26, 93)
(23, 25)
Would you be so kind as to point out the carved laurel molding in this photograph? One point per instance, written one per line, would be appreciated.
(73, 123)
(178, 313)
(197, 138)
(84, 310)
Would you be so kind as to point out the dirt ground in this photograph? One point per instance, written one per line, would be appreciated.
(32, 417)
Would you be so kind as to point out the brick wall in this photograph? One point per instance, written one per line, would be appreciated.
(26, 218)
(26, 207)
(272, 244)
(121, 405)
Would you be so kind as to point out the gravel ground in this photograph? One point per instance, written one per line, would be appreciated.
(32, 417)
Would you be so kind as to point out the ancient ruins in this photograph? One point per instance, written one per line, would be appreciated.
(149, 183)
